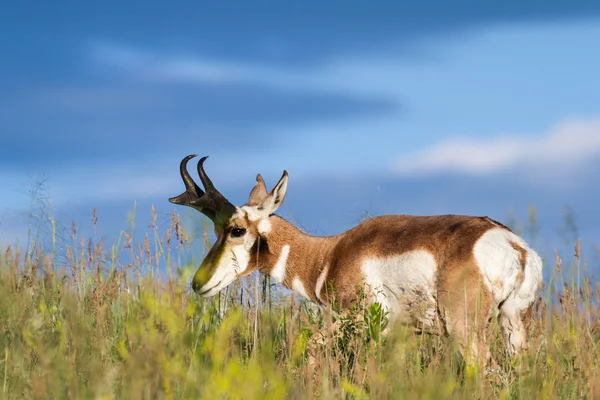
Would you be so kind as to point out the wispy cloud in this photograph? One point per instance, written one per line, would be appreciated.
(159, 67)
(568, 144)
(341, 74)
(563, 149)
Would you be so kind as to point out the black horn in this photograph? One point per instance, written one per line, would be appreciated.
(210, 202)
(203, 177)
(192, 191)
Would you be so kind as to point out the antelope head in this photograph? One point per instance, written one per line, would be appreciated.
(240, 231)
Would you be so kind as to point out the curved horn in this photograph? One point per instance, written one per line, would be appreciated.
(192, 191)
(187, 179)
(211, 203)
(208, 185)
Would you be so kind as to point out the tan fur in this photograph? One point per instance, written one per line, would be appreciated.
(449, 238)
(259, 192)
(308, 255)
(465, 304)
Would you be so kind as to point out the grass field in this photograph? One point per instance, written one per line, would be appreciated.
(97, 320)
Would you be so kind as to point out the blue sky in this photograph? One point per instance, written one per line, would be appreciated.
(423, 108)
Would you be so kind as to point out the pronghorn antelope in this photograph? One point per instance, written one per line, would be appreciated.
(429, 272)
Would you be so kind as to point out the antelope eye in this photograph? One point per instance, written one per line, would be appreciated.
(237, 232)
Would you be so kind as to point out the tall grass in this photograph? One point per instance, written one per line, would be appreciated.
(89, 320)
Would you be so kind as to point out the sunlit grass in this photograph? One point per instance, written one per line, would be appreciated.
(87, 320)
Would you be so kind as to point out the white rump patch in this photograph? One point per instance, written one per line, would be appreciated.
(298, 287)
(278, 271)
(510, 282)
(405, 285)
(500, 265)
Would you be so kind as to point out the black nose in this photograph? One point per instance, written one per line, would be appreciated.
(196, 287)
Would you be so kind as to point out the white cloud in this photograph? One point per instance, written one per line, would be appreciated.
(187, 68)
(342, 75)
(567, 145)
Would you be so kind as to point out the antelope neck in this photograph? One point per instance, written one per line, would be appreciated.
(297, 260)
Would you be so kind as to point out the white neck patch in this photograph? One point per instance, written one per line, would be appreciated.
(278, 272)
(298, 287)
(264, 226)
(321, 282)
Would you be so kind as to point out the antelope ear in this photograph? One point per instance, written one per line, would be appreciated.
(274, 199)
(258, 193)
